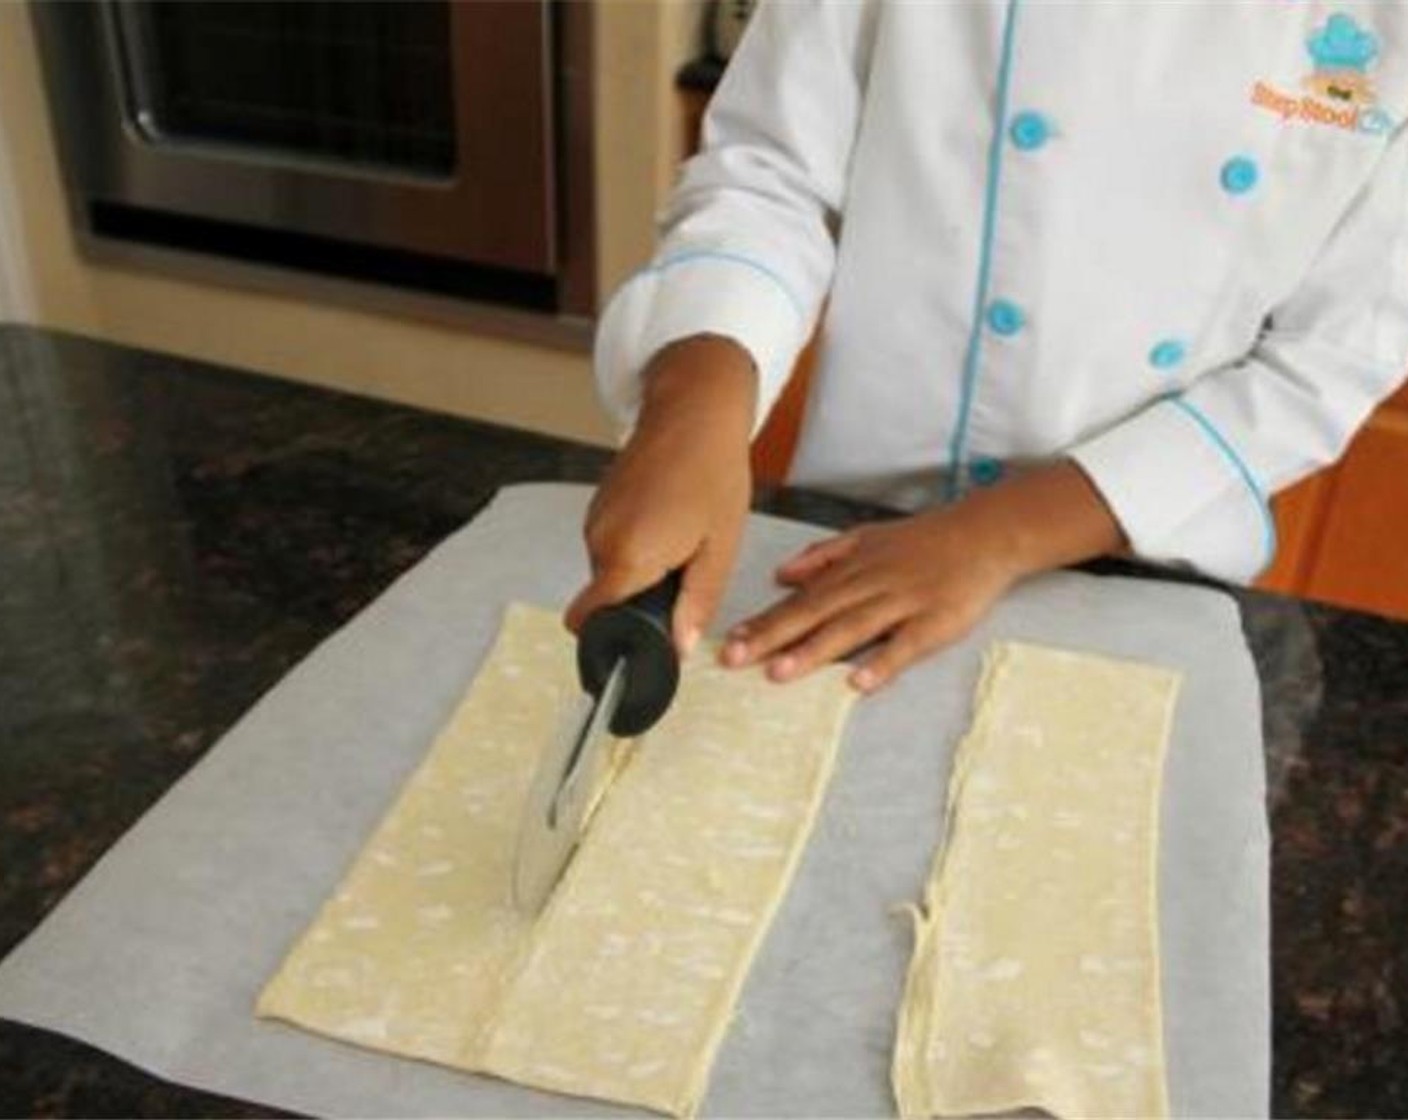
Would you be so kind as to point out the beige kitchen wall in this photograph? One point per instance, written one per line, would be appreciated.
(424, 359)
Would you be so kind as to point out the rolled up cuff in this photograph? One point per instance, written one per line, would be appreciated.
(716, 293)
(1182, 492)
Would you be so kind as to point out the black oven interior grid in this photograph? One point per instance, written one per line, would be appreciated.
(365, 82)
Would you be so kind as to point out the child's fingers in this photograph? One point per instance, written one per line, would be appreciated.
(705, 578)
(793, 619)
(910, 643)
(845, 632)
(607, 586)
(812, 559)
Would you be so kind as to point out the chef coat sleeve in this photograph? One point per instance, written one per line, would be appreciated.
(746, 249)
(1189, 477)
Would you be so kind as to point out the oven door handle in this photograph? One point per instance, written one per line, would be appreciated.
(128, 37)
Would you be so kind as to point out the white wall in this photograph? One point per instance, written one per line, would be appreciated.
(16, 304)
(640, 45)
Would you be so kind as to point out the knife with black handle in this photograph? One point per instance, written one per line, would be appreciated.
(628, 667)
(634, 635)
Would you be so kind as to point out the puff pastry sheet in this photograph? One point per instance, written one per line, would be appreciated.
(1035, 975)
(623, 987)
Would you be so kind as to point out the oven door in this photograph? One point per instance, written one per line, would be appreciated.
(424, 125)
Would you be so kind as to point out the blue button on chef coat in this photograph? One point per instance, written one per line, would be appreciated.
(1239, 175)
(1168, 353)
(1029, 130)
(985, 472)
(1005, 317)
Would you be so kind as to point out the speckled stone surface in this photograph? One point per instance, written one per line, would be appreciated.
(173, 538)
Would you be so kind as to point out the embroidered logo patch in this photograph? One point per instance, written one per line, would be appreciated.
(1339, 91)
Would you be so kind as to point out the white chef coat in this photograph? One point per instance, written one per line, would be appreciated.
(1164, 239)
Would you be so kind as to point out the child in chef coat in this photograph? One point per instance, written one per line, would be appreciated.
(1088, 278)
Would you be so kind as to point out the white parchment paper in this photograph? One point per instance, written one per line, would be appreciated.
(158, 954)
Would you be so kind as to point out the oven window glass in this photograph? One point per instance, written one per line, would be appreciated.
(361, 82)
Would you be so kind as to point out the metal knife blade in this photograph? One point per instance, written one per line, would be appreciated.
(562, 797)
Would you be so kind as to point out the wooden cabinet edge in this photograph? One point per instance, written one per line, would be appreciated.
(1305, 514)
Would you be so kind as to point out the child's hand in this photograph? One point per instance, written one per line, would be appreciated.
(678, 493)
(922, 582)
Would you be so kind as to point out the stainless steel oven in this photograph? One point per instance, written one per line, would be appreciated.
(336, 133)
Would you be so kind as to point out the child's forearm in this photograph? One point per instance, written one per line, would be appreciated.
(1046, 518)
(702, 382)
(677, 495)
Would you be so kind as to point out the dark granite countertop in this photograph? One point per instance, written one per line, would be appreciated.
(174, 537)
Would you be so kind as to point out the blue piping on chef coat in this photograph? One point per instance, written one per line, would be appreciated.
(1230, 453)
(736, 258)
(980, 297)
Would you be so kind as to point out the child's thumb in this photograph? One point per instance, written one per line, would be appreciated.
(701, 591)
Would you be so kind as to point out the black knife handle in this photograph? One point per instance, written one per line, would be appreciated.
(637, 630)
